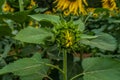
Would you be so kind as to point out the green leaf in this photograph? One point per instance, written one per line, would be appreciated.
(103, 41)
(80, 24)
(84, 36)
(114, 21)
(32, 77)
(6, 51)
(37, 10)
(40, 17)
(17, 16)
(33, 35)
(101, 69)
(27, 66)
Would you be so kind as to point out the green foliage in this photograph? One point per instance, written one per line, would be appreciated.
(33, 35)
(38, 42)
(80, 24)
(101, 69)
(51, 18)
(19, 17)
(27, 67)
(103, 41)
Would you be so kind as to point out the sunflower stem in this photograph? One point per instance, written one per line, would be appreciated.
(56, 67)
(65, 64)
(21, 5)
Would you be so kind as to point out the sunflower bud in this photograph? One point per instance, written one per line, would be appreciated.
(66, 35)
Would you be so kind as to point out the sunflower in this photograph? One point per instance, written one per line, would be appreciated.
(34, 23)
(7, 8)
(92, 11)
(67, 35)
(109, 4)
(74, 7)
(32, 4)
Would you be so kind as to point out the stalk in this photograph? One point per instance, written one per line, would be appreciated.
(21, 5)
(65, 64)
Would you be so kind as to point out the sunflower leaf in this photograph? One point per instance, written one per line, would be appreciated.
(26, 67)
(103, 41)
(101, 69)
(33, 35)
(51, 18)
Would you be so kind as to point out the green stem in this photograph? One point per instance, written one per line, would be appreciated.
(65, 64)
(49, 78)
(56, 67)
(21, 5)
(76, 76)
(87, 17)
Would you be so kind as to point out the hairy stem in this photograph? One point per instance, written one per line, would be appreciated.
(56, 67)
(21, 5)
(65, 64)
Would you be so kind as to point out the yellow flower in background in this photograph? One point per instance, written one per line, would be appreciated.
(7, 8)
(37, 24)
(75, 7)
(95, 15)
(34, 23)
(31, 23)
(92, 10)
(117, 10)
(109, 4)
(12, 10)
(47, 12)
(32, 3)
(89, 10)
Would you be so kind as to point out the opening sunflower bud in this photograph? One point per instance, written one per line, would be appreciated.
(66, 35)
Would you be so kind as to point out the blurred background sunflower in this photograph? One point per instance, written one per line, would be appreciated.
(109, 4)
(74, 7)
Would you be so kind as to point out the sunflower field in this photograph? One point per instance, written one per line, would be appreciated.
(59, 39)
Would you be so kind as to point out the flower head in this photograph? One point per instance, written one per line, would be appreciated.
(92, 11)
(7, 8)
(66, 35)
(109, 4)
(75, 7)
(34, 23)
(32, 3)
